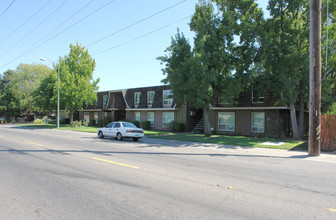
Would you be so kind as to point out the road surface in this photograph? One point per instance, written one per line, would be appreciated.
(51, 174)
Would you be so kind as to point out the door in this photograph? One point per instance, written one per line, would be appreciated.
(107, 131)
(115, 129)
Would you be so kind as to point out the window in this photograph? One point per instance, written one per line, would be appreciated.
(137, 116)
(86, 116)
(96, 117)
(116, 125)
(167, 98)
(258, 122)
(104, 101)
(110, 125)
(150, 118)
(136, 98)
(259, 99)
(150, 98)
(167, 118)
(226, 121)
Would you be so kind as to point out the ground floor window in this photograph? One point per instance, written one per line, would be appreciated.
(258, 122)
(150, 118)
(86, 116)
(226, 121)
(137, 116)
(96, 117)
(167, 118)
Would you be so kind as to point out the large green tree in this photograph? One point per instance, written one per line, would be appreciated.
(8, 103)
(18, 87)
(285, 44)
(217, 64)
(76, 79)
(329, 57)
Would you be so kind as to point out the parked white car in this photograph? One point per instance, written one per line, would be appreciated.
(121, 130)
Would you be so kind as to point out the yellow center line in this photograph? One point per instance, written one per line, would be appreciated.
(34, 143)
(121, 164)
(333, 210)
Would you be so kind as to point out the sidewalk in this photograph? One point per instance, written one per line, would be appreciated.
(234, 150)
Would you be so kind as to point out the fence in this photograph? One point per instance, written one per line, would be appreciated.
(328, 132)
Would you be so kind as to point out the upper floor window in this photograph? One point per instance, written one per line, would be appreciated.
(259, 99)
(136, 98)
(167, 98)
(150, 98)
(104, 100)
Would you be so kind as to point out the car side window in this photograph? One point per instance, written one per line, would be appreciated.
(116, 125)
(110, 125)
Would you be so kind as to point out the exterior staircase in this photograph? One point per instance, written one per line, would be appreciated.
(198, 129)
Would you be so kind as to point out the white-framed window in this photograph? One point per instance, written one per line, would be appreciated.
(259, 99)
(150, 98)
(136, 98)
(167, 98)
(96, 117)
(258, 122)
(86, 116)
(137, 116)
(104, 100)
(150, 118)
(226, 121)
(167, 118)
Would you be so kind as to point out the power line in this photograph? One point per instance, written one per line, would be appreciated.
(59, 26)
(23, 54)
(25, 21)
(7, 8)
(156, 30)
(60, 6)
(138, 22)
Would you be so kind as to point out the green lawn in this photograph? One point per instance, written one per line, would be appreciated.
(237, 140)
(215, 139)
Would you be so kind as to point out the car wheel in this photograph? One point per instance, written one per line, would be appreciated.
(135, 139)
(119, 137)
(100, 134)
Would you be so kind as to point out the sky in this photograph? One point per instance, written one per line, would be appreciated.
(123, 36)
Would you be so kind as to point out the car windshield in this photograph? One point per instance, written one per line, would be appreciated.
(128, 125)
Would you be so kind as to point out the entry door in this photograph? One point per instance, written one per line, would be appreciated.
(115, 129)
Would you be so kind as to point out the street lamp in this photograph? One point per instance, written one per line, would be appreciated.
(58, 95)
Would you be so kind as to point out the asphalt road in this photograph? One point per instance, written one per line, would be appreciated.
(50, 174)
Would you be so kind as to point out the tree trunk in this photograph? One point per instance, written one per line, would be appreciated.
(301, 117)
(71, 117)
(207, 131)
(295, 127)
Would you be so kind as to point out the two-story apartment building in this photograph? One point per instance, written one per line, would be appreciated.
(244, 115)
(110, 106)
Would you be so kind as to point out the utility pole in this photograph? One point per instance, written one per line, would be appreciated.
(314, 145)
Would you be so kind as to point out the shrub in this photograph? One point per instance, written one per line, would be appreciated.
(178, 127)
(136, 123)
(92, 122)
(85, 123)
(38, 121)
(145, 125)
(76, 123)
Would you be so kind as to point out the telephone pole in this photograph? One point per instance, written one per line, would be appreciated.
(314, 145)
